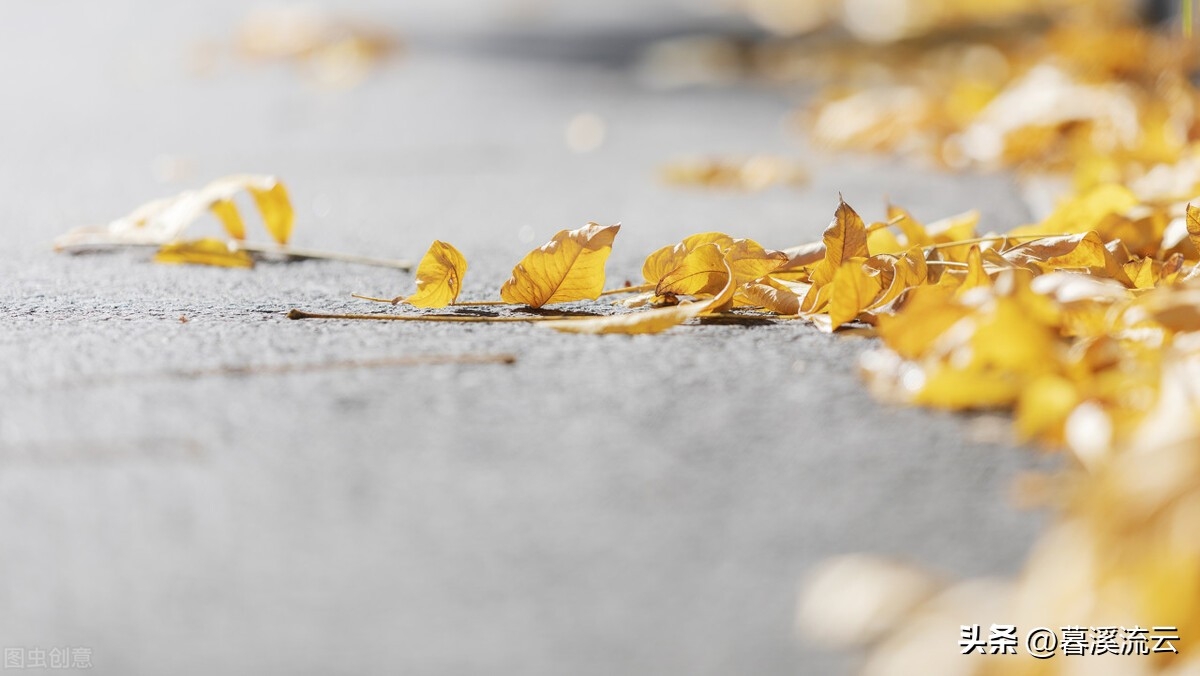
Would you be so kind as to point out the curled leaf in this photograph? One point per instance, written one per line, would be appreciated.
(908, 271)
(273, 204)
(165, 220)
(854, 290)
(439, 276)
(567, 268)
(976, 276)
(1085, 252)
(227, 212)
(769, 295)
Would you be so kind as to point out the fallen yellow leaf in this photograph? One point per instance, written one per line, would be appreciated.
(913, 230)
(276, 208)
(1083, 252)
(704, 271)
(227, 212)
(164, 220)
(668, 258)
(207, 251)
(439, 276)
(769, 295)
(976, 276)
(569, 267)
(749, 260)
(854, 290)
(845, 238)
(1193, 225)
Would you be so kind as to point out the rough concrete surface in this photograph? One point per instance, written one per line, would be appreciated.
(605, 505)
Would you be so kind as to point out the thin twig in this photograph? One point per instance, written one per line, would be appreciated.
(882, 225)
(483, 303)
(398, 299)
(301, 314)
(373, 299)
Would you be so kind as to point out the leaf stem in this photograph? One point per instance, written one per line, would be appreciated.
(883, 225)
(398, 299)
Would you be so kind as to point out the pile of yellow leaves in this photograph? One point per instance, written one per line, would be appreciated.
(1086, 325)
(1102, 100)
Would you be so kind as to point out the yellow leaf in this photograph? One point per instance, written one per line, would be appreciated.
(854, 290)
(957, 389)
(164, 220)
(882, 241)
(845, 238)
(1176, 309)
(227, 211)
(1084, 252)
(1082, 213)
(439, 276)
(649, 321)
(907, 272)
(770, 295)
(703, 272)
(1143, 273)
(803, 256)
(1043, 407)
(976, 275)
(928, 311)
(954, 229)
(207, 251)
(914, 232)
(749, 261)
(1010, 336)
(276, 209)
(816, 298)
(567, 268)
(1193, 225)
(670, 257)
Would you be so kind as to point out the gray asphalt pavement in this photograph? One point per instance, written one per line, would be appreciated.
(604, 505)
